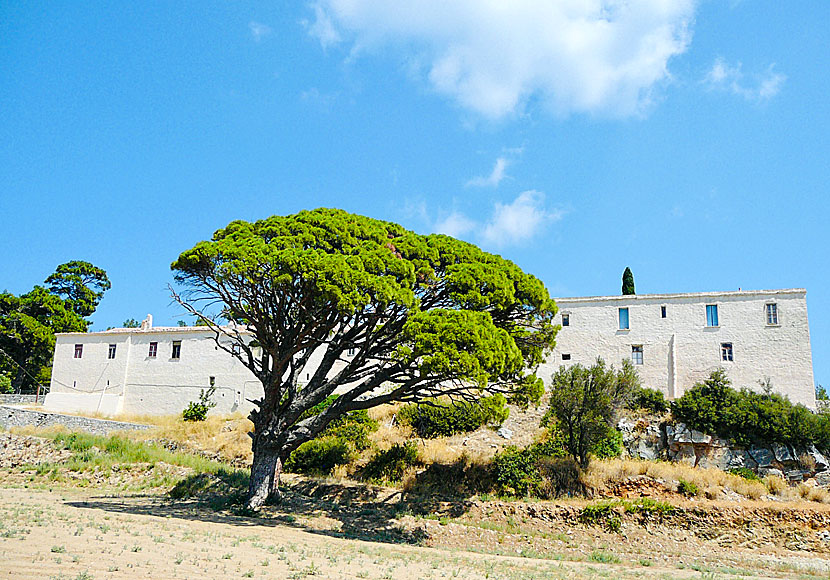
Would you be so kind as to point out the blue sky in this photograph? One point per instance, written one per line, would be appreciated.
(687, 140)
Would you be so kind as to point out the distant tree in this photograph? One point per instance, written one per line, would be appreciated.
(584, 401)
(181, 323)
(28, 322)
(394, 316)
(821, 393)
(628, 282)
(130, 323)
(80, 284)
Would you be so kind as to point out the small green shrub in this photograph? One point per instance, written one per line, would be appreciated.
(443, 418)
(687, 488)
(391, 465)
(5, 385)
(319, 456)
(519, 471)
(746, 473)
(610, 446)
(198, 411)
(650, 400)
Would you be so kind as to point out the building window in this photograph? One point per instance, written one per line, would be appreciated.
(726, 352)
(711, 315)
(154, 349)
(236, 349)
(772, 314)
(111, 352)
(351, 351)
(566, 356)
(79, 350)
(637, 354)
(566, 320)
(177, 349)
(662, 312)
(212, 381)
(623, 318)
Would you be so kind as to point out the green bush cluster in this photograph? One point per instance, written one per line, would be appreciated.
(338, 444)
(442, 417)
(520, 471)
(649, 399)
(746, 473)
(747, 417)
(319, 456)
(687, 488)
(392, 464)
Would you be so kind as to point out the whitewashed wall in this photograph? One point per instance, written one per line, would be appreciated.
(136, 383)
(780, 352)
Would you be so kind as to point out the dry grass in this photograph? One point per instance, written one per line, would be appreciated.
(605, 473)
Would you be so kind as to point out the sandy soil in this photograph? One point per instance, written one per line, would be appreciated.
(78, 535)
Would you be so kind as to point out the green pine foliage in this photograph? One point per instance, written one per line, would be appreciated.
(520, 471)
(747, 417)
(650, 400)
(443, 417)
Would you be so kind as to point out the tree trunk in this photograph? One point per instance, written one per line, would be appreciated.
(265, 478)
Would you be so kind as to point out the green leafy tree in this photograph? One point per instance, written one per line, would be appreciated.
(395, 316)
(80, 284)
(28, 323)
(584, 401)
(628, 282)
(130, 323)
(821, 393)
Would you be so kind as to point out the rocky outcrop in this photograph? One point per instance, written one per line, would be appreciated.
(656, 438)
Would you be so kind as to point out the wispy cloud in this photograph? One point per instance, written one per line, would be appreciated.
(494, 57)
(494, 178)
(509, 224)
(731, 78)
(456, 225)
(258, 30)
(322, 28)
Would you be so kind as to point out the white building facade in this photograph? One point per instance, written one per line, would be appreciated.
(146, 371)
(676, 340)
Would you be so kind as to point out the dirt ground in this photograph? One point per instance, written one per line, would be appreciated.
(79, 534)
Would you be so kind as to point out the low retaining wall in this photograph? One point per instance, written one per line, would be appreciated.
(21, 399)
(15, 417)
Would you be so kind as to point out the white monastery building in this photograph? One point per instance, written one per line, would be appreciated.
(146, 371)
(674, 341)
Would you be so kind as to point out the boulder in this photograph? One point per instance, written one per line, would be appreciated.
(782, 453)
(762, 456)
(741, 458)
(505, 433)
(685, 453)
(770, 471)
(821, 462)
(823, 478)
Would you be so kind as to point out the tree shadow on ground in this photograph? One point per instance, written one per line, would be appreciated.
(342, 510)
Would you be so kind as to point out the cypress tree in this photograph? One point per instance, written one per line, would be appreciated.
(628, 282)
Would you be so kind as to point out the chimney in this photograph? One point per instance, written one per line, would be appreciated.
(147, 323)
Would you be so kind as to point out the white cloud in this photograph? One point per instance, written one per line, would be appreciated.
(494, 178)
(519, 221)
(725, 77)
(508, 224)
(456, 225)
(584, 56)
(258, 30)
(322, 28)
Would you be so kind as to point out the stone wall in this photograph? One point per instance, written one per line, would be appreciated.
(652, 438)
(16, 417)
(21, 399)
